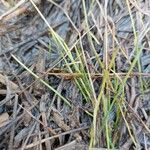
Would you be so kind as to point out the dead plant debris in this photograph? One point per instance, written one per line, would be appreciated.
(74, 74)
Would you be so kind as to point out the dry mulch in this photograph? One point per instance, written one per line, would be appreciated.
(29, 112)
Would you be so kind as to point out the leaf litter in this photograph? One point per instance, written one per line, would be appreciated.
(34, 117)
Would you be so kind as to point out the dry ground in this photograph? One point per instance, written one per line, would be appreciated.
(74, 74)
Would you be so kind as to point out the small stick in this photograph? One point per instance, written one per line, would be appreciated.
(94, 75)
(55, 136)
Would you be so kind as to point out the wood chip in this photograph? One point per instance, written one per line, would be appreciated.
(3, 119)
(13, 86)
(69, 146)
